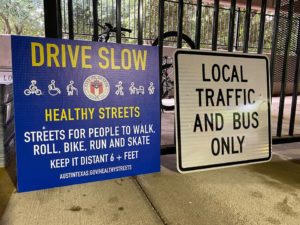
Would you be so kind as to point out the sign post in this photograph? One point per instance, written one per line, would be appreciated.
(84, 111)
(222, 109)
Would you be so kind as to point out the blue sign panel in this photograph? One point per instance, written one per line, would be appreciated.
(84, 111)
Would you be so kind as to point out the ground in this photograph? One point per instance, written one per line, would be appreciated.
(267, 193)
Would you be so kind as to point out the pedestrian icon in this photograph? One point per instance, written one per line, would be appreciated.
(71, 89)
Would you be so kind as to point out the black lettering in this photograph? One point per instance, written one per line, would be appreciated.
(241, 141)
(246, 116)
(229, 96)
(232, 146)
(209, 97)
(220, 98)
(203, 73)
(225, 145)
(199, 96)
(216, 78)
(236, 121)
(242, 75)
(219, 121)
(209, 122)
(213, 151)
(249, 96)
(237, 96)
(223, 73)
(255, 118)
(234, 74)
(197, 123)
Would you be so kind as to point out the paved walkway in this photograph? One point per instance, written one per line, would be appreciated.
(267, 193)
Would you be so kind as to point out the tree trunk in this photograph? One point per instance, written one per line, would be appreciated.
(7, 28)
(18, 29)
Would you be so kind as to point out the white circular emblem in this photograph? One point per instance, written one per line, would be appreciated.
(96, 87)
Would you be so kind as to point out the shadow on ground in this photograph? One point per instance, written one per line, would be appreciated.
(6, 189)
(284, 171)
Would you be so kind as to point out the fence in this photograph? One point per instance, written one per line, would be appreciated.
(83, 29)
(210, 26)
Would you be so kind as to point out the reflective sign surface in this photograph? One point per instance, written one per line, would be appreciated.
(222, 109)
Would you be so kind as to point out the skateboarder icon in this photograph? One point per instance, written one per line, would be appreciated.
(52, 89)
(71, 89)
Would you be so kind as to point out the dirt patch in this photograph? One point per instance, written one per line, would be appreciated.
(286, 207)
(257, 194)
(113, 199)
(75, 208)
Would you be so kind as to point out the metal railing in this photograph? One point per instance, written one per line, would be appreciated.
(83, 17)
(209, 26)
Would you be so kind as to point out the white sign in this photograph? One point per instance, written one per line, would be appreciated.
(222, 109)
(5, 75)
(5, 60)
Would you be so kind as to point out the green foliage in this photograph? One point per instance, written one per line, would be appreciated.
(21, 17)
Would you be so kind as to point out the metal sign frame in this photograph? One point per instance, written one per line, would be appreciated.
(177, 110)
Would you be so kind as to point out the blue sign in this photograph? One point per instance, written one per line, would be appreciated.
(84, 111)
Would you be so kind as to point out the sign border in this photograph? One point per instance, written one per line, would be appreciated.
(177, 111)
(138, 167)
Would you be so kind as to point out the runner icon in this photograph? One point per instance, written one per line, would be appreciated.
(151, 88)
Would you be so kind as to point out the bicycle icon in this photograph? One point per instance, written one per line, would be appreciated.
(32, 89)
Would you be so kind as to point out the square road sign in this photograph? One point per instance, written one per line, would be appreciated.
(222, 109)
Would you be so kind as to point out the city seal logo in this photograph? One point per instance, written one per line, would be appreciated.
(96, 87)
